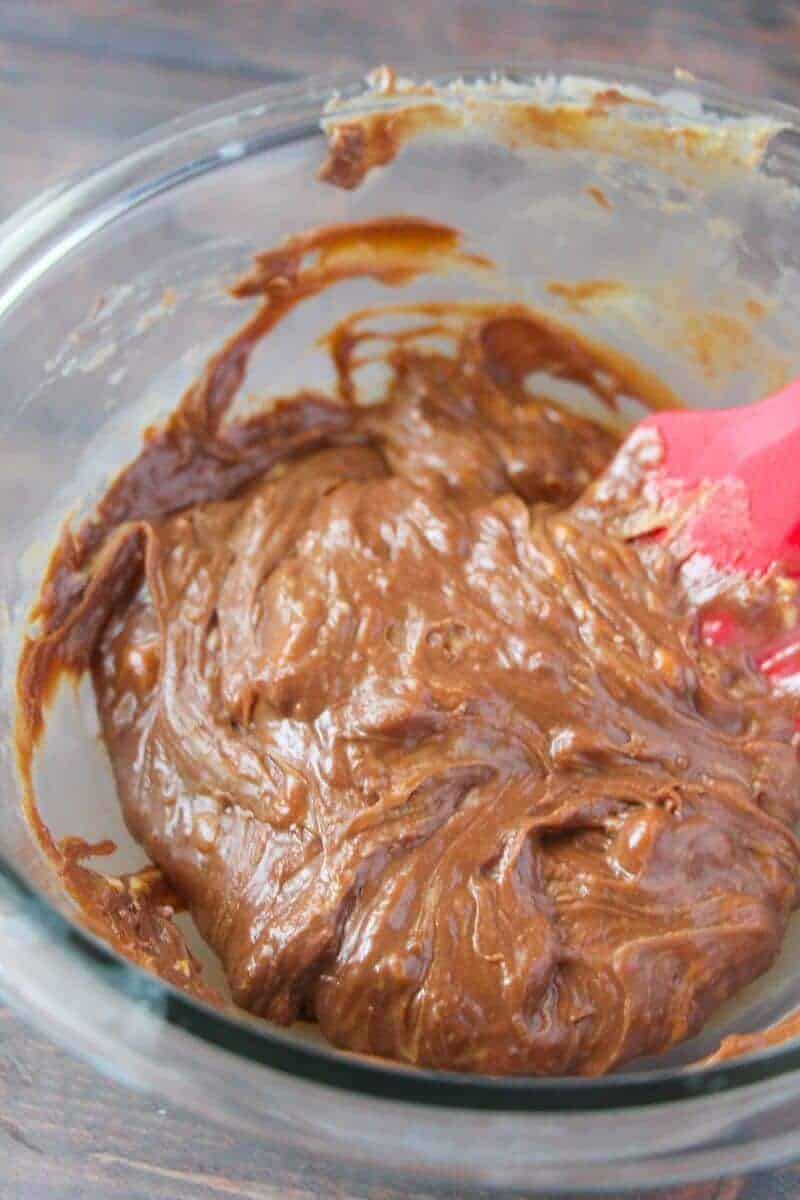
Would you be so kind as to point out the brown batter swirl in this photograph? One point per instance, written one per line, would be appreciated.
(434, 756)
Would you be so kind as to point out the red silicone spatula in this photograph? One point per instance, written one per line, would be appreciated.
(744, 464)
(751, 518)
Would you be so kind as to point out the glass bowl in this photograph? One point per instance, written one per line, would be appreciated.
(112, 293)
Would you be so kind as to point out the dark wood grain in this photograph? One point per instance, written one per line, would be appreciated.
(77, 77)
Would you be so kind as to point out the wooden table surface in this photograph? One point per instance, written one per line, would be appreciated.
(77, 77)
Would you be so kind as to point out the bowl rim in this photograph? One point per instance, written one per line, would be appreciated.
(55, 223)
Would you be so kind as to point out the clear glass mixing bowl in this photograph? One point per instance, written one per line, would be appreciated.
(111, 295)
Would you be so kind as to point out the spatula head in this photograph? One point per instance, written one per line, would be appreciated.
(724, 486)
(746, 461)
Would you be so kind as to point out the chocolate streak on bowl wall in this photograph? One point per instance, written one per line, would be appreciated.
(372, 129)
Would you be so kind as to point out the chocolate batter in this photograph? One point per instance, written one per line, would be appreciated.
(423, 732)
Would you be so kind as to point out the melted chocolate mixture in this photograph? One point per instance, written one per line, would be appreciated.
(433, 752)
